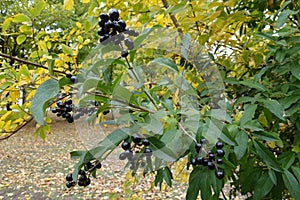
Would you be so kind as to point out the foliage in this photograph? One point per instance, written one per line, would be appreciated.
(200, 69)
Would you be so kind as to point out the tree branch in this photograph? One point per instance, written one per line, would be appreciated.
(17, 129)
(173, 18)
(28, 62)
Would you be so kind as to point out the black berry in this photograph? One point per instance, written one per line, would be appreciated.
(211, 156)
(148, 151)
(203, 141)
(82, 178)
(146, 142)
(129, 154)
(68, 75)
(210, 165)
(99, 165)
(105, 112)
(104, 17)
(199, 160)
(125, 145)
(113, 14)
(124, 53)
(68, 101)
(73, 79)
(129, 43)
(219, 161)
(219, 174)
(219, 145)
(220, 152)
(194, 162)
(122, 24)
(198, 147)
(81, 172)
(132, 33)
(136, 138)
(69, 177)
(70, 184)
(122, 156)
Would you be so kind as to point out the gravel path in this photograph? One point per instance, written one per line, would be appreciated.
(31, 168)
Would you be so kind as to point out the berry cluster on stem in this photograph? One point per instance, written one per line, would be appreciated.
(136, 152)
(211, 160)
(83, 178)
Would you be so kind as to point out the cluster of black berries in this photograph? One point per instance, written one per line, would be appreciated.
(211, 159)
(64, 109)
(141, 149)
(89, 110)
(72, 78)
(112, 29)
(83, 174)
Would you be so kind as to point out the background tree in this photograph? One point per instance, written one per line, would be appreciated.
(251, 45)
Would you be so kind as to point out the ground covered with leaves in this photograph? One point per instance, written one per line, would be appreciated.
(31, 168)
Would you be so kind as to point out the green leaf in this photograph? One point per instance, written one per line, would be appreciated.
(21, 18)
(296, 171)
(194, 184)
(272, 176)
(283, 16)
(109, 143)
(262, 187)
(76, 154)
(91, 83)
(200, 180)
(268, 136)
(66, 49)
(45, 92)
(253, 125)
(268, 36)
(37, 9)
(266, 156)
(254, 85)
(159, 177)
(242, 139)
(274, 107)
(167, 63)
(249, 111)
(6, 24)
(295, 69)
(64, 81)
(287, 159)
(291, 184)
(21, 39)
(138, 41)
(51, 66)
(121, 93)
(167, 174)
(160, 150)
(185, 46)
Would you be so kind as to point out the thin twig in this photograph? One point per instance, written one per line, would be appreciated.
(28, 62)
(17, 129)
(183, 129)
(173, 18)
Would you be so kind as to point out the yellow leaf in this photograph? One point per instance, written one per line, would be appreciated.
(85, 1)
(7, 125)
(14, 95)
(68, 4)
(18, 121)
(3, 117)
(78, 24)
(48, 120)
(2, 123)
